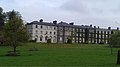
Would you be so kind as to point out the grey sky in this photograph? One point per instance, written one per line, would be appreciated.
(101, 13)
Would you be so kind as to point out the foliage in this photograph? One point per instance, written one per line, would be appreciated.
(115, 39)
(14, 30)
(2, 17)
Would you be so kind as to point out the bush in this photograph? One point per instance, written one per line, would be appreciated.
(32, 40)
(101, 42)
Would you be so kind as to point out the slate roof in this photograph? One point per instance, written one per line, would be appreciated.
(67, 25)
(41, 23)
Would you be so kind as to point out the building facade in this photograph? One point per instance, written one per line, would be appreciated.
(62, 32)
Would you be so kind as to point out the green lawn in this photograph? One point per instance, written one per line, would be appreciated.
(61, 55)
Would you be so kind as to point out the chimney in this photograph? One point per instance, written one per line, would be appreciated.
(117, 28)
(71, 23)
(55, 22)
(41, 20)
(109, 28)
(94, 26)
(98, 27)
(90, 25)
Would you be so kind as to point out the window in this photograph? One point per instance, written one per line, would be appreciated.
(36, 26)
(50, 37)
(46, 32)
(36, 31)
(51, 27)
(46, 27)
(50, 32)
(41, 32)
(41, 27)
(54, 33)
(54, 28)
(30, 31)
(36, 36)
(41, 37)
(46, 38)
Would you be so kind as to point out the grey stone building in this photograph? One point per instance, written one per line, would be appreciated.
(63, 32)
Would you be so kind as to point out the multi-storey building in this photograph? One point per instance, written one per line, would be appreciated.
(42, 31)
(62, 32)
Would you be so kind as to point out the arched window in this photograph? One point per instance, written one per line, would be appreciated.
(46, 38)
(36, 37)
(50, 37)
(41, 37)
(54, 39)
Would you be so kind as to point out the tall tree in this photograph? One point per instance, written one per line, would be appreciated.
(15, 30)
(2, 18)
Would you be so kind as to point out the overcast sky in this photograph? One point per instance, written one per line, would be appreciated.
(103, 13)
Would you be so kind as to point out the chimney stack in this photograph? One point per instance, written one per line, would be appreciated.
(109, 28)
(98, 27)
(41, 20)
(94, 26)
(90, 25)
(117, 28)
(55, 22)
(71, 23)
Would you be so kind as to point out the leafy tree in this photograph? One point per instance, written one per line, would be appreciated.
(15, 30)
(2, 17)
(115, 39)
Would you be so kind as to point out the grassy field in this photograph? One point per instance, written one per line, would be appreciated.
(73, 55)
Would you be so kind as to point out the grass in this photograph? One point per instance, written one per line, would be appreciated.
(61, 55)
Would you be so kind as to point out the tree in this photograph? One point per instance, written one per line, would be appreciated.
(15, 31)
(115, 39)
(2, 19)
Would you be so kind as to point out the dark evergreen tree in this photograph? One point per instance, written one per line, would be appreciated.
(2, 18)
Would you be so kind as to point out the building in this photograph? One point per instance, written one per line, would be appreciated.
(62, 32)
(42, 31)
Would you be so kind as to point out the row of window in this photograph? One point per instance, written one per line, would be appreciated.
(46, 37)
(41, 32)
(47, 27)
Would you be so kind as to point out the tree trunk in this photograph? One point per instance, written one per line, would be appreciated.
(14, 47)
(118, 57)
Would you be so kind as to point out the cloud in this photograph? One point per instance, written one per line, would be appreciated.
(74, 6)
(98, 12)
